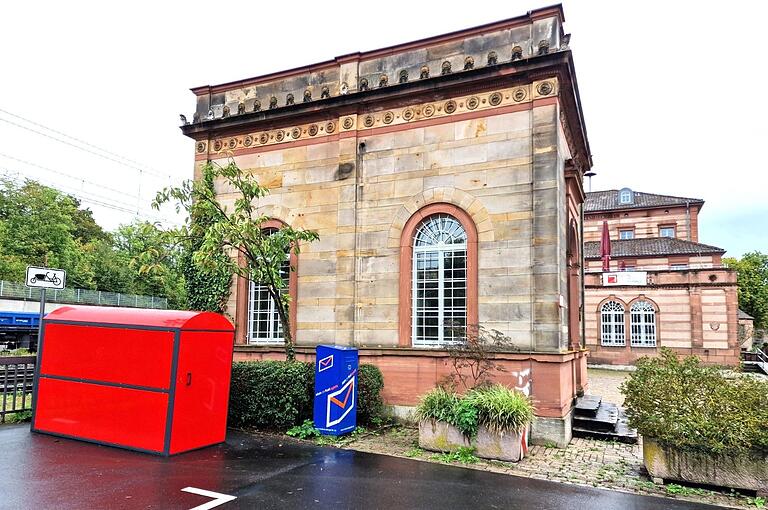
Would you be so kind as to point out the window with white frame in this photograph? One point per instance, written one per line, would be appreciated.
(612, 324)
(666, 231)
(439, 281)
(626, 196)
(626, 233)
(264, 326)
(642, 323)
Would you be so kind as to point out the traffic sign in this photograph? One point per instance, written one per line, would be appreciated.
(46, 278)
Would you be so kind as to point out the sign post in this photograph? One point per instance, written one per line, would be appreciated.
(43, 278)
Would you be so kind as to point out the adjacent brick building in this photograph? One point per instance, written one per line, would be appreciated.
(444, 177)
(665, 289)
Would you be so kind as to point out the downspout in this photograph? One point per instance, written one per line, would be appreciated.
(688, 219)
(359, 151)
(582, 312)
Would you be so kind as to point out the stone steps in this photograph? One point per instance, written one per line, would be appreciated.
(601, 420)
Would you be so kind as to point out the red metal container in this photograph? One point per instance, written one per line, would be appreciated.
(155, 381)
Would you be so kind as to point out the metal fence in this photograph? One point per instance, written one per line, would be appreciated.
(17, 374)
(82, 296)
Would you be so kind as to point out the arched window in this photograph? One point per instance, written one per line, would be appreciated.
(612, 324)
(264, 326)
(439, 283)
(626, 196)
(642, 323)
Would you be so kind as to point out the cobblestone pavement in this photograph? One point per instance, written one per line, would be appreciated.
(606, 384)
(591, 462)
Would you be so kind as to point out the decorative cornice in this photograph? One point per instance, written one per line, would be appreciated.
(368, 118)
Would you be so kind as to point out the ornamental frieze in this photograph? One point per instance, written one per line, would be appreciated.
(476, 102)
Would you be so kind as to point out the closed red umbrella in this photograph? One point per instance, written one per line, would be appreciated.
(605, 247)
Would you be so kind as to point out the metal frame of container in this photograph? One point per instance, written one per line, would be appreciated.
(177, 330)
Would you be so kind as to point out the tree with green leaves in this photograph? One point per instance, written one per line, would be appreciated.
(238, 228)
(752, 271)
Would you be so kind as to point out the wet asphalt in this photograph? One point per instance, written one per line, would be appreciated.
(44, 472)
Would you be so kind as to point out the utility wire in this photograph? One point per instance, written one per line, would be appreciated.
(86, 197)
(70, 176)
(109, 157)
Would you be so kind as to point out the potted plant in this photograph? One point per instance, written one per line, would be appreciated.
(503, 417)
(493, 420)
(438, 415)
(699, 425)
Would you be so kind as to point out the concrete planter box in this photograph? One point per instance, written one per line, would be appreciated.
(439, 436)
(510, 447)
(739, 472)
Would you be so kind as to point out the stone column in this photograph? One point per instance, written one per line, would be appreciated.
(547, 215)
(697, 333)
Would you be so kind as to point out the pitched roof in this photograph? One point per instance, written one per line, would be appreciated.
(608, 200)
(745, 315)
(650, 246)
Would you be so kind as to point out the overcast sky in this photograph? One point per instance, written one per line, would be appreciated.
(672, 91)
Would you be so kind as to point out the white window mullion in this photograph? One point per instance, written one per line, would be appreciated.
(415, 297)
(441, 297)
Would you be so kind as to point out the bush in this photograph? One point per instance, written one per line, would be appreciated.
(270, 394)
(685, 405)
(370, 405)
(277, 395)
(498, 408)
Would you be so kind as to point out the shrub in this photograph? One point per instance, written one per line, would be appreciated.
(277, 395)
(270, 394)
(370, 405)
(685, 405)
(500, 409)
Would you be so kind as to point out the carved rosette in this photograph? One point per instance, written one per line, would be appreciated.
(516, 95)
(545, 88)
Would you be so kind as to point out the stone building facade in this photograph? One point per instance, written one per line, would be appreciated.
(665, 289)
(444, 177)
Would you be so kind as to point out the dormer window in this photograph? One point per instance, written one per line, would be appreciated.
(626, 196)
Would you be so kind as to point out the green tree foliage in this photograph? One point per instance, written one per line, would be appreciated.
(752, 271)
(240, 230)
(43, 226)
(154, 260)
(208, 286)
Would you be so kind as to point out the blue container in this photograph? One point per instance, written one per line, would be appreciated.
(335, 389)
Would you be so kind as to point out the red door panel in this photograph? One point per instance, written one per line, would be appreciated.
(120, 416)
(114, 355)
(202, 390)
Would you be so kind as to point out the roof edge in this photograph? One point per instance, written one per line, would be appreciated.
(529, 17)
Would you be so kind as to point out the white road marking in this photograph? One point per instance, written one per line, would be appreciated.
(218, 498)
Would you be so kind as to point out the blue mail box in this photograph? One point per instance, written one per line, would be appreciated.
(335, 389)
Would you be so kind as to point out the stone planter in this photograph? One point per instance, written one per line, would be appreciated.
(748, 471)
(510, 447)
(439, 436)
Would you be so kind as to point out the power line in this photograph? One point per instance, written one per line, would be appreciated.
(70, 176)
(109, 158)
(99, 201)
(83, 196)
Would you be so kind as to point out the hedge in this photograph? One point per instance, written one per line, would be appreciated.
(685, 405)
(277, 395)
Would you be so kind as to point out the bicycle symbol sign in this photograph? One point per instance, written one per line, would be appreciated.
(46, 277)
